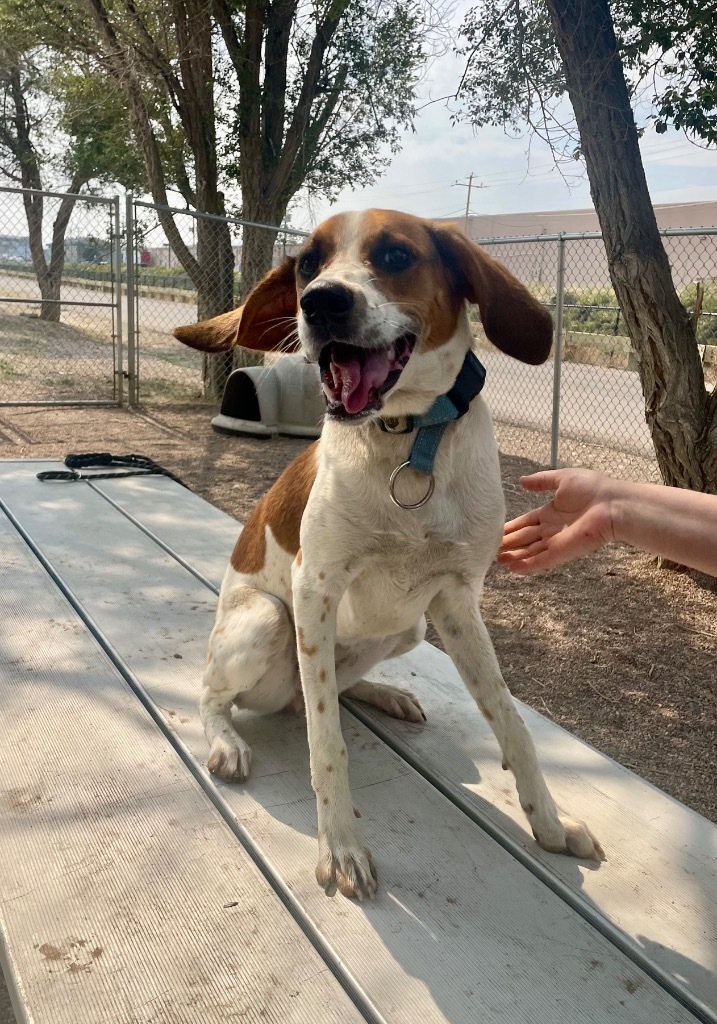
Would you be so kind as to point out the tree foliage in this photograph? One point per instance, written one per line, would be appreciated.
(515, 75)
(525, 56)
(92, 116)
(357, 108)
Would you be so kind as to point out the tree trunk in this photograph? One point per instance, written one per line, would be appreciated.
(681, 414)
(215, 294)
(50, 289)
(50, 279)
(257, 256)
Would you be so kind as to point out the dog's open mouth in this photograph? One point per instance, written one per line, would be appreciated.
(356, 379)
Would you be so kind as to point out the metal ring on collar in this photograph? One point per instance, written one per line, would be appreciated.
(392, 488)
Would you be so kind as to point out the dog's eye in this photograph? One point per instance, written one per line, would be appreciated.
(308, 264)
(394, 259)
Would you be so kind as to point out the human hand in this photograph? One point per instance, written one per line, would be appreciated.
(577, 521)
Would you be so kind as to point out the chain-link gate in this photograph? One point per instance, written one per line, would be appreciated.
(187, 266)
(60, 299)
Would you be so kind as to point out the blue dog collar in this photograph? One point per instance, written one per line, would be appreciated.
(432, 425)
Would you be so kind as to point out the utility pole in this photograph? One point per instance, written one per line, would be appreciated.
(470, 186)
(468, 204)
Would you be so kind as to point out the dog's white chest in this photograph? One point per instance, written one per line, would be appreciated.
(392, 592)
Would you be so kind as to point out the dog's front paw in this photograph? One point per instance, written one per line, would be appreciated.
(348, 867)
(230, 760)
(570, 837)
(580, 842)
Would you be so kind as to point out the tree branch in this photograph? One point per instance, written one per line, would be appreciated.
(117, 58)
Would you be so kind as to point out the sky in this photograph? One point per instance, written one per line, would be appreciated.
(421, 178)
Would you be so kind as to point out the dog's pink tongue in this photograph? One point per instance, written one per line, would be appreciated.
(356, 379)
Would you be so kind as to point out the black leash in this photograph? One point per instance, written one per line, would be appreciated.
(137, 465)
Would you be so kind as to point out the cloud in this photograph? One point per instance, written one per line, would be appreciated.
(512, 175)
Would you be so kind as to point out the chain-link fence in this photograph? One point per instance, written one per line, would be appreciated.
(190, 266)
(66, 264)
(590, 391)
(60, 311)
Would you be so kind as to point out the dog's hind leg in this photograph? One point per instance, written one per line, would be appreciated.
(392, 700)
(457, 617)
(353, 660)
(251, 663)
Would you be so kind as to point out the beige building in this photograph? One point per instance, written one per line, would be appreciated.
(692, 257)
(553, 222)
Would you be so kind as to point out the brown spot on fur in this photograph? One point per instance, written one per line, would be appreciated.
(281, 509)
(322, 575)
(321, 707)
(484, 712)
(322, 675)
(329, 768)
(238, 597)
(309, 651)
(323, 616)
(325, 801)
(325, 599)
(343, 752)
(448, 269)
(427, 284)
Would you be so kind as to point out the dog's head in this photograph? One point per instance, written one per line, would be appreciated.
(378, 299)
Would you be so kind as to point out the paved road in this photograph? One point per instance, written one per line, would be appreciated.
(161, 315)
(596, 403)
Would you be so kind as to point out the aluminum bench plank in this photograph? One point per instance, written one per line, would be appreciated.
(459, 924)
(124, 896)
(658, 890)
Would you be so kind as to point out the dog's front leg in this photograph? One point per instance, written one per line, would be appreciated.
(344, 861)
(456, 615)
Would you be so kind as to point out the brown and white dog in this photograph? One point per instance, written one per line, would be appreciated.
(330, 576)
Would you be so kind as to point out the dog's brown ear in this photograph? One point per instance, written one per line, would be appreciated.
(265, 321)
(512, 319)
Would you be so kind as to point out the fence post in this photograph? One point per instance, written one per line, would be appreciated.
(117, 274)
(558, 354)
(132, 382)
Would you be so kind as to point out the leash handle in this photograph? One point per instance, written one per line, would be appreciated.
(137, 465)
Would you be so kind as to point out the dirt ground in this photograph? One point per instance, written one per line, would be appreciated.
(618, 651)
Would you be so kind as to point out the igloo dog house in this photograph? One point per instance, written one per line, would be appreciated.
(284, 397)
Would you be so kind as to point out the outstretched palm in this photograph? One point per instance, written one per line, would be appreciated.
(577, 521)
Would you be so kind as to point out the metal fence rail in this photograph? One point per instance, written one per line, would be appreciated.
(60, 340)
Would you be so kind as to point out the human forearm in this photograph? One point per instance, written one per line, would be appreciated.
(672, 522)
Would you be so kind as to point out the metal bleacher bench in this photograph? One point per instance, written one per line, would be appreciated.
(135, 888)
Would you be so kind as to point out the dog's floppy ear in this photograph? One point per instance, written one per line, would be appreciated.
(264, 321)
(512, 319)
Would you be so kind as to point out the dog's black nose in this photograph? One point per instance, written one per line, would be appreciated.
(327, 304)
